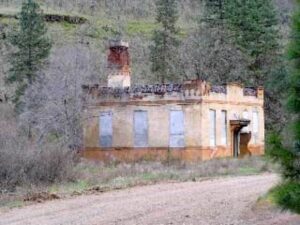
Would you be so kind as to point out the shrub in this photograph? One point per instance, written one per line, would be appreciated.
(26, 164)
(23, 162)
(287, 195)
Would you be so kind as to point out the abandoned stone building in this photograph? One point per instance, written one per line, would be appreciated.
(190, 121)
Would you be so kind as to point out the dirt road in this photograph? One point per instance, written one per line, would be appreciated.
(226, 201)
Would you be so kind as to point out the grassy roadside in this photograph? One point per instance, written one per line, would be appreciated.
(93, 177)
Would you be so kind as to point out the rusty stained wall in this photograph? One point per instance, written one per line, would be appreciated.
(196, 124)
(119, 67)
(118, 57)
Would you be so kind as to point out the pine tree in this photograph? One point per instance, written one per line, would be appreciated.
(32, 47)
(253, 25)
(288, 155)
(215, 12)
(164, 51)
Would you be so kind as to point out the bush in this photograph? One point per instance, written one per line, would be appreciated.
(284, 156)
(287, 195)
(23, 162)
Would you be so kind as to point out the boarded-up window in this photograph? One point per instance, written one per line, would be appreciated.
(105, 129)
(177, 129)
(212, 123)
(140, 129)
(224, 127)
(255, 126)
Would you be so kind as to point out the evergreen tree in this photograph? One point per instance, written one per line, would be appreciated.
(288, 155)
(164, 51)
(253, 24)
(32, 47)
(215, 12)
(226, 63)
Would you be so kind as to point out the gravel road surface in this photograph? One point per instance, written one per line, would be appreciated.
(222, 201)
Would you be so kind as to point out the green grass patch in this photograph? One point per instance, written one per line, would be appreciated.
(15, 204)
(145, 28)
(150, 176)
(7, 21)
(121, 182)
(68, 26)
(12, 204)
(68, 188)
(248, 171)
(8, 12)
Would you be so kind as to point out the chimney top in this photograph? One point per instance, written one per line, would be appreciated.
(118, 43)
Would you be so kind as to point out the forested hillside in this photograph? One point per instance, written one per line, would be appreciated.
(134, 20)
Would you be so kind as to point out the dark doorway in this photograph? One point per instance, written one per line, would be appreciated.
(244, 141)
(239, 140)
(236, 144)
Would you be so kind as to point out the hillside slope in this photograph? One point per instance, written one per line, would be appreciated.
(101, 20)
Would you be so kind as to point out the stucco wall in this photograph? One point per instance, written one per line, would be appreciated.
(196, 124)
(158, 128)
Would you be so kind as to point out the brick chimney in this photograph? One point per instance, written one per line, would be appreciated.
(118, 64)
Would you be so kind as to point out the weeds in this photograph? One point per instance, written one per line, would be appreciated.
(25, 163)
(91, 177)
(123, 175)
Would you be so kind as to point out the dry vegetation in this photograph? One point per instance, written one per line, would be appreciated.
(91, 177)
(23, 163)
(121, 175)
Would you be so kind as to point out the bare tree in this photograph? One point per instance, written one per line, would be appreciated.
(54, 102)
(207, 55)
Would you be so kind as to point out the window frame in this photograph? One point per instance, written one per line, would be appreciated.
(212, 128)
(108, 127)
(224, 131)
(255, 126)
(136, 138)
(174, 135)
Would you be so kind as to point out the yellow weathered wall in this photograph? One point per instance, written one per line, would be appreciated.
(158, 118)
(196, 111)
(91, 128)
(193, 132)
